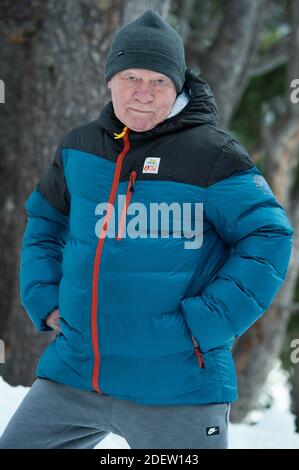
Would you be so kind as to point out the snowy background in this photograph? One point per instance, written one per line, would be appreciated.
(272, 427)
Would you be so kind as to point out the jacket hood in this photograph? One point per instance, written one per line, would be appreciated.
(201, 109)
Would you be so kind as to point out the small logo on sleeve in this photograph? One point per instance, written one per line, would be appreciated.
(151, 165)
(212, 430)
(262, 184)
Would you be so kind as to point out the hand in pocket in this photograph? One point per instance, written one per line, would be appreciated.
(53, 320)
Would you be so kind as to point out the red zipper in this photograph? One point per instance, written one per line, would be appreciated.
(97, 260)
(132, 179)
(199, 357)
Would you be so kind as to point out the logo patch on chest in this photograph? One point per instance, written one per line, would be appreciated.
(151, 165)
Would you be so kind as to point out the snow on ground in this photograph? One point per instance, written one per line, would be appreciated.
(271, 428)
(10, 398)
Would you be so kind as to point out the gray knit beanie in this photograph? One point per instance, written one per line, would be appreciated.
(148, 42)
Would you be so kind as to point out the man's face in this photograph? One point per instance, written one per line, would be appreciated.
(142, 98)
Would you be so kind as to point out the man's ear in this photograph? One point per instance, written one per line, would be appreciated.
(109, 84)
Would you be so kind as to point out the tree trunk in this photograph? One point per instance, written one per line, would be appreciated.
(53, 69)
(230, 54)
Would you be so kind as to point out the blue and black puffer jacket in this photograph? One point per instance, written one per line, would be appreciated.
(145, 319)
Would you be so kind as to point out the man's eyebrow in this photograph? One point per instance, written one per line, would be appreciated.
(136, 73)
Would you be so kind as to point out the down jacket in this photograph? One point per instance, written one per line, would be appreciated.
(144, 318)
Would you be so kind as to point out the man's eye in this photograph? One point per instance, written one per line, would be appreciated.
(133, 78)
(160, 81)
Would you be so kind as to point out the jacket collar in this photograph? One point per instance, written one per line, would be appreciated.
(200, 109)
(181, 101)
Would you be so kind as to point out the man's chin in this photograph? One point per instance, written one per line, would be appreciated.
(141, 128)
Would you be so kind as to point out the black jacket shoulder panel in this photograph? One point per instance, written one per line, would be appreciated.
(53, 186)
(84, 137)
(232, 157)
(92, 138)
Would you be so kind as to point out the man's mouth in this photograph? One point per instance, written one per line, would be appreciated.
(138, 111)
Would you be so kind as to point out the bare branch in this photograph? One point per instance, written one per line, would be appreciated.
(276, 56)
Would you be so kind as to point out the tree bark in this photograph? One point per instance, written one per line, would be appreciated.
(230, 53)
(53, 67)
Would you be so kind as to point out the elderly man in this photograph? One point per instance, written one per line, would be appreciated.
(145, 326)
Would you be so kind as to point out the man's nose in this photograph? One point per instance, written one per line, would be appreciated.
(144, 92)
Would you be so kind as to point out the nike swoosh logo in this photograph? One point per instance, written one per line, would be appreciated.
(211, 431)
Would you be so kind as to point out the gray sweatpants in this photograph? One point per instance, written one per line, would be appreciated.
(56, 416)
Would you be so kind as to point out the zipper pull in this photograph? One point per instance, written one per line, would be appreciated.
(132, 179)
(119, 136)
(199, 357)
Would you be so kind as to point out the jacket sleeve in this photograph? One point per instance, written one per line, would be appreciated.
(246, 215)
(44, 239)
